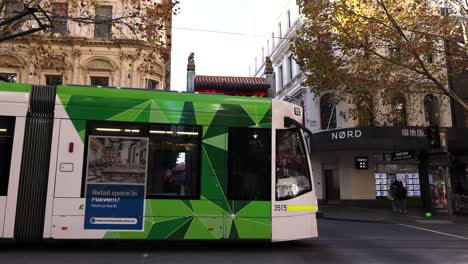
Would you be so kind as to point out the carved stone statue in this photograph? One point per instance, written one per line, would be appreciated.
(268, 65)
(191, 62)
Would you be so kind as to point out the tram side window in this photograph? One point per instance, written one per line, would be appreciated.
(7, 125)
(249, 164)
(174, 161)
(292, 172)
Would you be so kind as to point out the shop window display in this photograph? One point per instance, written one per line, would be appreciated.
(386, 174)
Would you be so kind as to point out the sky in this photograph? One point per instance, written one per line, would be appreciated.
(198, 26)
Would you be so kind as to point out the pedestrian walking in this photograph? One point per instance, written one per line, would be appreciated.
(398, 193)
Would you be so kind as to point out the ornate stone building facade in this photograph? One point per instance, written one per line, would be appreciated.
(99, 54)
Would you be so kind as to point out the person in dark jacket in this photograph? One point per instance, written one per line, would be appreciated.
(399, 193)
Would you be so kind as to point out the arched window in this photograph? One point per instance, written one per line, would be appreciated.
(432, 109)
(327, 111)
(398, 114)
(366, 113)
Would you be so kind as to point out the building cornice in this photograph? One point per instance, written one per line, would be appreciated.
(78, 41)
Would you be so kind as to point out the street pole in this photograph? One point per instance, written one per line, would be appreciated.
(448, 188)
(448, 182)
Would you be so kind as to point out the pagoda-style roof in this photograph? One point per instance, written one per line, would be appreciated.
(228, 83)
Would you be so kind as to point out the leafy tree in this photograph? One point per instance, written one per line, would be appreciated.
(385, 49)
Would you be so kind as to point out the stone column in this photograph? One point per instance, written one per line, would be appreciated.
(191, 73)
(270, 77)
(76, 66)
(122, 82)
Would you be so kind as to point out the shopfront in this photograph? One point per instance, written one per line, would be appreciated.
(359, 164)
(408, 174)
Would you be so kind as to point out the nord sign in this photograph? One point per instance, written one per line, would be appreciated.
(346, 134)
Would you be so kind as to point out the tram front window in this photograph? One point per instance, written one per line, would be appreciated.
(292, 172)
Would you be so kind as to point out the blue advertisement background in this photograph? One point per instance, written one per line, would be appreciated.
(122, 206)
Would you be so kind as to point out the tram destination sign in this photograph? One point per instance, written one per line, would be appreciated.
(403, 155)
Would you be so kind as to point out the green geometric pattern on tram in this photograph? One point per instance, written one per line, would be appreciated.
(161, 207)
(216, 178)
(265, 122)
(254, 209)
(164, 227)
(144, 116)
(214, 131)
(188, 114)
(217, 141)
(188, 203)
(15, 87)
(130, 114)
(238, 205)
(238, 117)
(172, 109)
(199, 229)
(156, 115)
(253, 216)
(257, 228)
(179, 234)
(233, 234)
(204, 114)
(258, 113)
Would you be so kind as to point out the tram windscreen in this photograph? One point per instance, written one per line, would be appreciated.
(292, 171)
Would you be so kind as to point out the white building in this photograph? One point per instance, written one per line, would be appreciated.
(339, 143)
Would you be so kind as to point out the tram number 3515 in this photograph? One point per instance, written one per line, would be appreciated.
(280, 207)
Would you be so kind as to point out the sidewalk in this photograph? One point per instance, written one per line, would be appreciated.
(383, 215)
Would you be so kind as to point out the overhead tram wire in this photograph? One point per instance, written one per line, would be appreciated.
(228, 33)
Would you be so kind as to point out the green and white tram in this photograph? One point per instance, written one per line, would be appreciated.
(107, 163)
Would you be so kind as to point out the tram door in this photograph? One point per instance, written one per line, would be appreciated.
(332, 185)
(6, 148)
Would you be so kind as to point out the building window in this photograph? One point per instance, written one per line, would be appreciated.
(59, 17)
(174, 167)
(8, 77)
(280, 76)
(249, 164)
(398, 114)
(103, 25)
(288, 14)
(432, 109)
(365, 113)
(327, 112)
(386, 174)
(152, 84)
(290, 67)
(7, 125)
(165, 157)
(53, 79)
(99, 81)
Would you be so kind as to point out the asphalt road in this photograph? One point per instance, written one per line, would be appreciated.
(339, 242)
